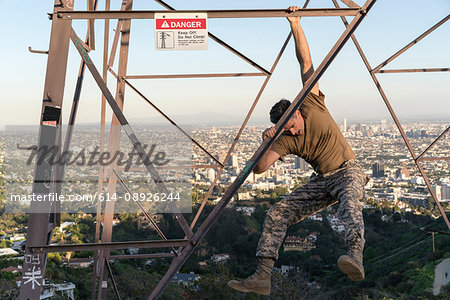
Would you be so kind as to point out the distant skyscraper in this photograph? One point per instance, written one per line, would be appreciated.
(437, 191)
(402, 173)
(445, 192)
(383, 125)
(233, 161)
(377, 170)
(423, 133)
(211, 174)
(442, 192)
(301, 164)
(345, 125)
(358, 127)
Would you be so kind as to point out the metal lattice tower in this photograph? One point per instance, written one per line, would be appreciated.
(41, 224)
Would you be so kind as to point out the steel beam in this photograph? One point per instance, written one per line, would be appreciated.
(144, 255)
(230, 150)
(113, 146)
(112, 279)
(39, 223)
(173, 123)
(412, 43)
(413, 70)
(127, 128)
(437, 231)
(212, 218)
(91, 22)
(101, 169)
(244, 123)
(108, 246)
(149, 218)
(350, 3)
(173, 167)
(167, 118)
(434, 142)
(391, 110)
(194, 75)
(212, 14)
(222, 43)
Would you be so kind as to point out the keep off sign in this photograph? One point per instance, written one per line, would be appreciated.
(181, 31)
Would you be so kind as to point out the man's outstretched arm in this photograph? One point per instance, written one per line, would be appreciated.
(302, 50)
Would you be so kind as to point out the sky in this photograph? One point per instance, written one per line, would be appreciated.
(350, 92)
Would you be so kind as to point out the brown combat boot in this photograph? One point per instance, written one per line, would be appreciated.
(259, 282)
(352, 263)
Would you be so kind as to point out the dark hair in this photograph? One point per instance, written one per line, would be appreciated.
(278, 110)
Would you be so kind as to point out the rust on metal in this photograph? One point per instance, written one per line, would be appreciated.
(91, 22)
(212, 14)
(172, 167)
(173, 76)
(350, 3)
(108, 246)
(41, 224)
(37, 51)
(413, 70)
(144, 255)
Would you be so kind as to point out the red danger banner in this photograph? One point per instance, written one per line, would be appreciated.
(180, 24)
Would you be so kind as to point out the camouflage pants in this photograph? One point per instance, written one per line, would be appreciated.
(345, 185)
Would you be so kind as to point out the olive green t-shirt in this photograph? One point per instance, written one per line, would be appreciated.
(322, 144)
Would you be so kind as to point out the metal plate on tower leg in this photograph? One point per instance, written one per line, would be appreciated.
(181, 31)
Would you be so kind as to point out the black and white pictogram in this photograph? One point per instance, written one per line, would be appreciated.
(166, 40)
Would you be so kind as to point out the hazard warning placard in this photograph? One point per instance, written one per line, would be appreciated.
(181, 31)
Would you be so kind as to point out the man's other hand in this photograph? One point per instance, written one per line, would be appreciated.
(269, 133)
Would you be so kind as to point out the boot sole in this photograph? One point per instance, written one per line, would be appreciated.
(349, 267)
(237, 286)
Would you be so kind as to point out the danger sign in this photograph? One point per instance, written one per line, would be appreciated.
(180, 24)
(181, 31)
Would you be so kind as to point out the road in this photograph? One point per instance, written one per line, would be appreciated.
(441, 276)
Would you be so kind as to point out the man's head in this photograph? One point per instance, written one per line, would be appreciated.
(295, 125)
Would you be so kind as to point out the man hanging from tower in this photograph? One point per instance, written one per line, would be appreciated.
(313, 135)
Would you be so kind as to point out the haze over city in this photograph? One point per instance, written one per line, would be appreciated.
(350, 92)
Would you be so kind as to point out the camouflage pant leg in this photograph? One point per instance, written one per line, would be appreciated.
(301, 203)
(347, 185)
